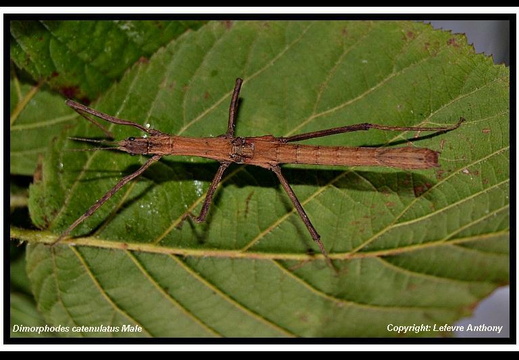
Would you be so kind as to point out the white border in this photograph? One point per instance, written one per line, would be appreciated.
(433, 11)
(261, 10)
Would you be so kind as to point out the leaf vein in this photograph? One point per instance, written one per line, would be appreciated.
(227, 95)
(102, 291)
(395, 223)
(167, 296)
(240, 307)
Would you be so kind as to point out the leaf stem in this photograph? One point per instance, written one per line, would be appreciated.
(47, 238)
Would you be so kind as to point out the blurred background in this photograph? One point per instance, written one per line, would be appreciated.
(492, 38)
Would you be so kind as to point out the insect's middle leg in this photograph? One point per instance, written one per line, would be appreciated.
(233, 108)
(210, 193)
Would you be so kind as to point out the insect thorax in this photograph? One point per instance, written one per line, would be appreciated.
(241, 150)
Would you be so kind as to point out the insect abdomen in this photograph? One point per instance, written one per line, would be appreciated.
(402, 157)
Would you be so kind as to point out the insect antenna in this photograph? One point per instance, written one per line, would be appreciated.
(112, 145)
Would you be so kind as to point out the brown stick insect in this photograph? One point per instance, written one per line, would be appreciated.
(266, 151)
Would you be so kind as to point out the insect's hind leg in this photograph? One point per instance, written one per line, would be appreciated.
(311, 229)
(367, 126)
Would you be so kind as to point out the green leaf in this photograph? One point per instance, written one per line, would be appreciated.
(37, 116)
(410, 247)
(25, 319)
(83, 58)
(78, 59)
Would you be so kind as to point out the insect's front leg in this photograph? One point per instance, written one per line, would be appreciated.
(106, 197)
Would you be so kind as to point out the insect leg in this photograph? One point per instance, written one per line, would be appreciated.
(82, 110)
(77, 109)
(107, 196)
(313, 233)
(233, 108)
(210, 193)
(366, 126)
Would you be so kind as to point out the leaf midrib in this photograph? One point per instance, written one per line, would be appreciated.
(47, 238)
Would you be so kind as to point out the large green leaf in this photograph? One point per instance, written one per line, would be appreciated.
(410, 247)
(79, 59)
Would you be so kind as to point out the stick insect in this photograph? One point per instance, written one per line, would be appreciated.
(266, 151)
